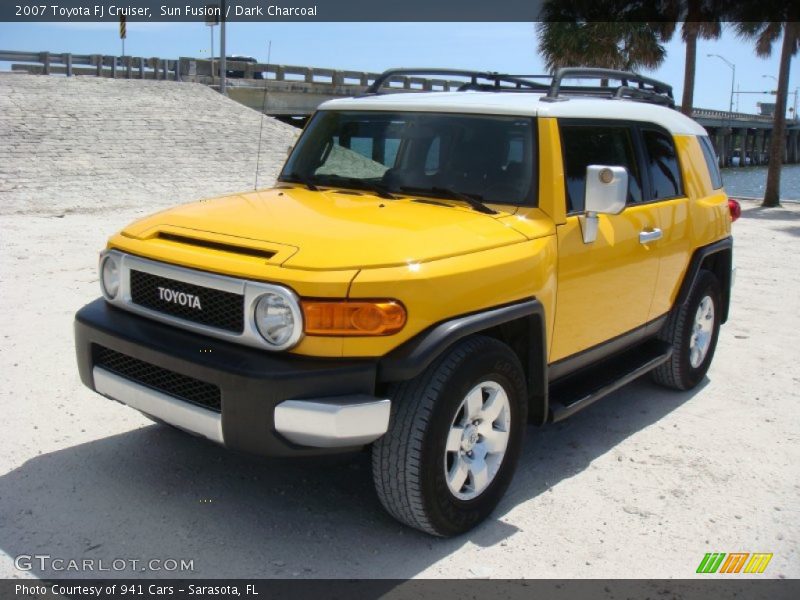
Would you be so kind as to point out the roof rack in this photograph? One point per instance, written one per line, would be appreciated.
(632, 85)
(646, 90)
(496, 80)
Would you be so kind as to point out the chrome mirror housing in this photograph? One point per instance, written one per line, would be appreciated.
(606, 193)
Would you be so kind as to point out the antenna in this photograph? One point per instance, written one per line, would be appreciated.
(263, 110)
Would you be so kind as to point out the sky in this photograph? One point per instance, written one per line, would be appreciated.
(504, 47)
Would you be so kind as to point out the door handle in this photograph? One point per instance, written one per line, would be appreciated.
(645, 237)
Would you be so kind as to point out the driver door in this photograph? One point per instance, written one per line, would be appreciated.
(605, 287)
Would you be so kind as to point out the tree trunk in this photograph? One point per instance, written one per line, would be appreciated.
(689, 69)
(778, 138)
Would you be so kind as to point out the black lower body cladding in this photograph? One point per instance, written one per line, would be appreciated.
(251, 382)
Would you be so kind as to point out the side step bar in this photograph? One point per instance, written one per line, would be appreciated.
(581, 389)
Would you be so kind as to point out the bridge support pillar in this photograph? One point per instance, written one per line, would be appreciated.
(787, 148)
(751, 147)
(725, 147)
(792, 141)
(758, 144)
(719, 146)
(741, 134)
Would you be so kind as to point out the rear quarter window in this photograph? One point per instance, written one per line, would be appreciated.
(662, 163)
(712, 162)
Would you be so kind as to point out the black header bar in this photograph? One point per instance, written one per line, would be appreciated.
(670, 11)
(392, 589)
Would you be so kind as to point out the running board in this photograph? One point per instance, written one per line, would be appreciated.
(581, 389)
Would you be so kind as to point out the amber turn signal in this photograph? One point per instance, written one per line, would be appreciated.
(373, 317)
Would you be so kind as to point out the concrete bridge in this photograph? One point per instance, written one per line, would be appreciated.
(294, 92)
(742, 139)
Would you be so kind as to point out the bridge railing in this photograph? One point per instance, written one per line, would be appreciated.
(203, 70)
(242, 70)
(705, 113)
(100, 65)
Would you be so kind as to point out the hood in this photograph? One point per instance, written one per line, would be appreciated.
(331, 229)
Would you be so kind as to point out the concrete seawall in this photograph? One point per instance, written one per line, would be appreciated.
(86, 144)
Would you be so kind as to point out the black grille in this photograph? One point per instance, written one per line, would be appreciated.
(223, 310)
(163, 380)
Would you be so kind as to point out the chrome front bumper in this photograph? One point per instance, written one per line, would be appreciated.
(333, 422)
(338, 422)
(176, 412)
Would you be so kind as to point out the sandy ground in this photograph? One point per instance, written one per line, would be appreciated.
(641, 484)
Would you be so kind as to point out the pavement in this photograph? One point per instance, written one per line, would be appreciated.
(641, 484)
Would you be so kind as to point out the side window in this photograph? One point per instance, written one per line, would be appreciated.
(516, 150)
(392, 148)
(712, 162)
(432, 160)
(585, 145)
(662, 163)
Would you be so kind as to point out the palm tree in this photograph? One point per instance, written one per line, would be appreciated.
(577, 33)
(702, 20)
(621, 45)
(765, 34)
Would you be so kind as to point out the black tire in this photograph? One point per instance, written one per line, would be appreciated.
(408, 463)
(678, 372)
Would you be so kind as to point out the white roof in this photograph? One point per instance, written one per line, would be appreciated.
(523, 103)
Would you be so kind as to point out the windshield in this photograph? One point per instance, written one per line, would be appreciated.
(488, 158)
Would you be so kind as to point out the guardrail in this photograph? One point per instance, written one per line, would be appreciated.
(249, 71)
(197, 69)
(724, 114)
(130, 67)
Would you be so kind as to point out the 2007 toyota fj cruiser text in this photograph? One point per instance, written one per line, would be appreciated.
(431, 272)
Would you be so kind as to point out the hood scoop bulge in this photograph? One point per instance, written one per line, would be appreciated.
(195, 244)
(213, 245)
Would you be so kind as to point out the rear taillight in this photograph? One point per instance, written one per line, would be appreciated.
(735, 208)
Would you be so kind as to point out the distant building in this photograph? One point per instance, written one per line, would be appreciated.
(766, 108)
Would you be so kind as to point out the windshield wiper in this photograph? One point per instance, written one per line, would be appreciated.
(363, 184)
(474, 200)
(295, 177)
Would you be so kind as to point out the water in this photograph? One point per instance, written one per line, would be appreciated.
(749, 182)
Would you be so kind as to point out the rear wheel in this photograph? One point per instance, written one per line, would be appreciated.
(692, 330)
(454, 438)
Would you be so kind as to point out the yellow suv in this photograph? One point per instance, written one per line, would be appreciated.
(431, 272)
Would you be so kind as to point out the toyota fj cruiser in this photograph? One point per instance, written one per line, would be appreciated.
(431, 272)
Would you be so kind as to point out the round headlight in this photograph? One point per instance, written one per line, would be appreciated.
(109, 277)
(278, 319)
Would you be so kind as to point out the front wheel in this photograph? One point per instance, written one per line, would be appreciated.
(454, 438)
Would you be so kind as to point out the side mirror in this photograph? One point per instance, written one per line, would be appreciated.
(606, 193)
